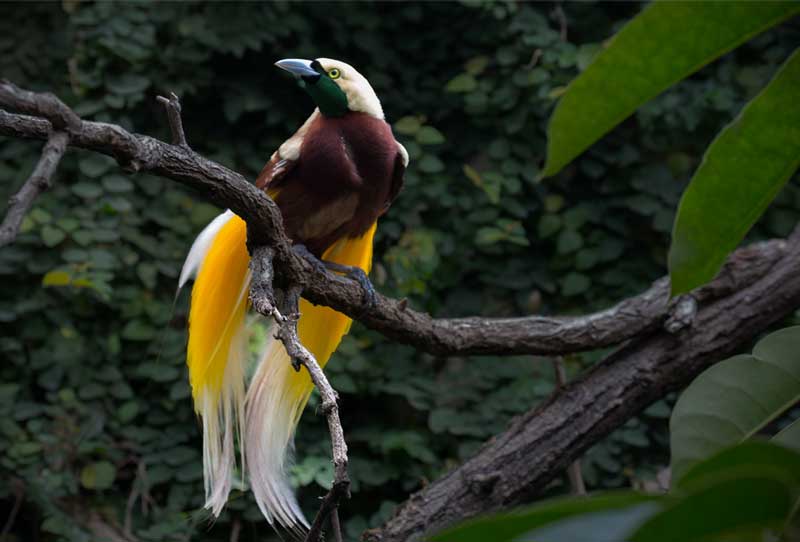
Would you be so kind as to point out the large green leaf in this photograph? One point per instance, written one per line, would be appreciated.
(789, 436)
(746, 459)
(735, 398)
(735, 509)
(512, 526)
(664, 44)
(742, 172)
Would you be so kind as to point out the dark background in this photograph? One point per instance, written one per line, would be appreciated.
(95, 412)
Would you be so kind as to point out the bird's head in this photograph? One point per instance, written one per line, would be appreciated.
(334, 86)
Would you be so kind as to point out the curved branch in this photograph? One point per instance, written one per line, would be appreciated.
(39, 181)
(444, 336)
(516, 465)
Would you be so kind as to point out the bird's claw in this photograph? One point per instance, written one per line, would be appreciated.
(352, 272)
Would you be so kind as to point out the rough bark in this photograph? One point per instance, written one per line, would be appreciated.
(516, 465)
(39, 181)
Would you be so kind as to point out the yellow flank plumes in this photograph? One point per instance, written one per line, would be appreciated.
(321, 328)
(266, 415)
(219, 303)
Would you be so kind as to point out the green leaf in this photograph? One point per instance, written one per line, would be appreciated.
(137, 330)
(461, 83)
(98, 475)
(665, 43)
(510, 526)
(128, 411)
(476, 65)
(117, 183)
(789, 436)
(748, 458)
(734, 399)
(742, 172)
(430, 164)
(52, 236)
(744, 506)
(86, 190)
(407, 125)
(95, 165)
(127, 84)
(575, 283)
(428, 135)
(569, 241)
(56, 278)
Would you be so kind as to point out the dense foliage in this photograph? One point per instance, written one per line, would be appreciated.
(95, 411)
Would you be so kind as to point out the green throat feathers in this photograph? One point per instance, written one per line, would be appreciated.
(331, 100)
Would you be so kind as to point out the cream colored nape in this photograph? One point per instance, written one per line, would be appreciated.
(360, 96)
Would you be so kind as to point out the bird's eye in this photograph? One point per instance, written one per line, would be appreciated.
(334, 73)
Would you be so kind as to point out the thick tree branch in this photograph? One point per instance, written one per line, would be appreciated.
(39, 104)
(39, 181)
(516, 465)
(444, 336)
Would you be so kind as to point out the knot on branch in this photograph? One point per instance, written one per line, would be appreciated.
(682, 313)
(483, 483)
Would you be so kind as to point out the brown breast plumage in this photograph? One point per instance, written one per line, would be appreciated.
(348, 171)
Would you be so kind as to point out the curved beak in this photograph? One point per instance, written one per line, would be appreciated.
(297, 67)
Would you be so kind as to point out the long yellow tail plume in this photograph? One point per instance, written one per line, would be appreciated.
(266, 417)
(277, 393)
(216, 352)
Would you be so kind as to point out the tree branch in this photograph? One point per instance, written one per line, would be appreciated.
(173, 108)
(263, 300)
(40, 180)
(444, 336)
(540, 444)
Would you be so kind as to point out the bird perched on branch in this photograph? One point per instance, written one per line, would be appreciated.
(332, 180)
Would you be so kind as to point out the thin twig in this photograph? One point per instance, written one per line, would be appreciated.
(574, 469)
(40, 180)
(173, 108)
(337, 527)
(558, 11)
(19, 496)
(263, 301)
(535, 57)
(287, 334)
(236, 529)
(137, 490)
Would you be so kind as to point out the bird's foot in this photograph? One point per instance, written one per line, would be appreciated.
(303, 252)
(352, 272)
(357, 274)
